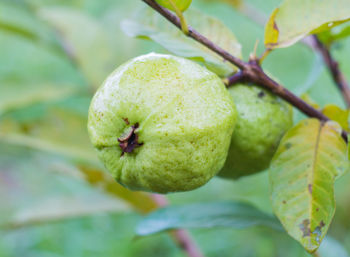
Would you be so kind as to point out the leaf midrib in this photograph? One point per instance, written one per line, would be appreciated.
(311, 181)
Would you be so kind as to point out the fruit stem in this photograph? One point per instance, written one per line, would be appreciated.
(316, 254)
(179, 13)
(333, 67)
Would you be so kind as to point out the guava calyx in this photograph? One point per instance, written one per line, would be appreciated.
(129, 140)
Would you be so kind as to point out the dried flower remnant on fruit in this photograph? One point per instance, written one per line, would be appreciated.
(126, 121)
(129, 140)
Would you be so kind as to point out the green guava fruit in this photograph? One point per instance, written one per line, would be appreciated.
(263, 119)
(162, 124)
(182, 5)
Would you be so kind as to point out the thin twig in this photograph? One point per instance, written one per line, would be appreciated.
(251, 70)
(180, 236)
(186, 242)
(316, 254)
(311, 41)
(333, 68)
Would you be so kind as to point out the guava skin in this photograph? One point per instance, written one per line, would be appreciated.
(181, 4)
(263, 119)
(181, 113)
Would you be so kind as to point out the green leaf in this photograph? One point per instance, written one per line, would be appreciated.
(13, 28)
(234, 3)
(206, 215)
(149, 24)
(20, 20)
(181, 5)
(142, 202)
(302, 173)
(86, 40)
(57, 131)
(64, 133)
(15, 96)
(337, 114)
(330, 36)
(306, 98)
(60, 208)
(35, 190)
(295, 19)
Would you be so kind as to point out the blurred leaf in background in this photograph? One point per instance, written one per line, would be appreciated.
(147, 24)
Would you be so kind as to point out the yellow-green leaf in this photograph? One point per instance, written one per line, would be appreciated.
(233, 3)
(15, 96)
(302, 173)
(336, 34)
(295, 19)
(60, 208)
(57, 131)
(149, 24)
(181, 5)
(337, 114)
(142, 202)
(306, 97)
(271, 30)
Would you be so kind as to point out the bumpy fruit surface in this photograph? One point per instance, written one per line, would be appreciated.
(263, 119)
(162, 124)
(182, 5)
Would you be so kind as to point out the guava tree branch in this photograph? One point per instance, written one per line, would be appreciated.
(180, 236)
(312, 42)
(250, 71)
(333, 68)
(235, 78)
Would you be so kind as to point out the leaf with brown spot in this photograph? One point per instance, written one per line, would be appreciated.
(302, 179)
(271, 31)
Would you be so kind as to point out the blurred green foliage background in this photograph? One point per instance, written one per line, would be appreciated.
(53, 56)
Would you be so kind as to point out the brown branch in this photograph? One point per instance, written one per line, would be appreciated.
(252, 71)
(234, 79)
(316, 254)
(185, 241)
(333, 68)
(180, 236)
